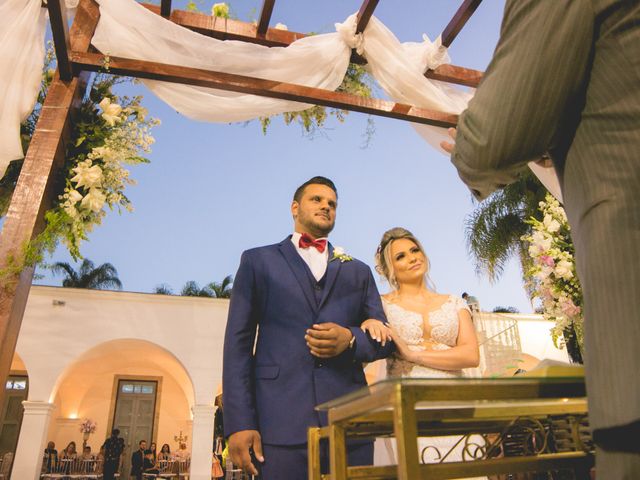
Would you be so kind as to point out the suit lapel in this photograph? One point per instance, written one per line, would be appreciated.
(298, 267)
(332, 273)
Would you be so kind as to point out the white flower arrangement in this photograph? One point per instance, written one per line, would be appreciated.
(553, 272)
(340, 254)
(88, 426)
(116, 136)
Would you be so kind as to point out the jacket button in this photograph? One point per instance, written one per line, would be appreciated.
(318, 287)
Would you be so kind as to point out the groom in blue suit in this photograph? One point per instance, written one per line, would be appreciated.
(308, 302)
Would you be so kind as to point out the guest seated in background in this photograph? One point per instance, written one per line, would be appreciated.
(182, 453)
(100, 455)
(70, 451)
(86, 453)
(165, 452)
(154, 449)
(50, 457)
(150, 466)
(137, 460)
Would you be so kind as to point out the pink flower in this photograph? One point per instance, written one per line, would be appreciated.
(569, 308)
(547, 260)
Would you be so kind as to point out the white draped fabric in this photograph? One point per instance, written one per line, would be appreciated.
(22, 27)
(129, 30)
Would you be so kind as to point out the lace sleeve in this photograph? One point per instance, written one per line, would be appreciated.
(461, 304)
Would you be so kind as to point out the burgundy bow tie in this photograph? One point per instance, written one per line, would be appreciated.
(306, 241)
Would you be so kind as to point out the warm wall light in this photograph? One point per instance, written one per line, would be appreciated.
(73, 416)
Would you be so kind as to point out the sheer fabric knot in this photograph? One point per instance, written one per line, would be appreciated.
(434, 54)
(347, 31)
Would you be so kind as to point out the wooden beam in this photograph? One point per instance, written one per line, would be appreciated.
(36, 187)
(458, 21)
(165, 8)
(60, 33)
(457, 75)
(247, 32)
(257, 86)
(265, 17)
(364, 14)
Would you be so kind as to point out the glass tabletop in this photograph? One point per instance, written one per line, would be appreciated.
(573, 383)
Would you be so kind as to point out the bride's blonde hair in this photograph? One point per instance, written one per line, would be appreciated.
(384, 263)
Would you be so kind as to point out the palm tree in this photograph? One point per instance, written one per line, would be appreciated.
(192, 289)
(163, 289)
(222, 289)
(212, 290)
(494, 229)
(102, 277)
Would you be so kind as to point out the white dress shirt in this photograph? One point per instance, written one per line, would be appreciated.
(316, 261)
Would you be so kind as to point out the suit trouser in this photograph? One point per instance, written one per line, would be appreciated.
(284, 462)
(110, 469)
(602, 200)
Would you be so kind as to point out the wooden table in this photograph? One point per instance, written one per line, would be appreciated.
(552, 410)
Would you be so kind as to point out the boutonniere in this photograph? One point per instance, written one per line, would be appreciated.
(340, 254)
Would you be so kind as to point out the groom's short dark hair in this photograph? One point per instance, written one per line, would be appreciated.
(297, 196)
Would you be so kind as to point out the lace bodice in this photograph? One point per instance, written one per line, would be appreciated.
(444, 325)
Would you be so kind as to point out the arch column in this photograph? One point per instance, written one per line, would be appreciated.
(32, 440)
(202, 442)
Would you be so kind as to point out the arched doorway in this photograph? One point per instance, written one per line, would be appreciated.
(130, 384)
(11, 411)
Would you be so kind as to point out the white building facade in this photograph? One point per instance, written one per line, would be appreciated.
(151, 365)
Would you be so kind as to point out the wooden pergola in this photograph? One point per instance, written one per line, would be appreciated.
(38, 183)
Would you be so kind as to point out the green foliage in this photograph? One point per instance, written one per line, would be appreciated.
(192, 289)
(500, 309)
(89, 276)
(222, 289)
(312, 120)
(211, 290)
(105, 135)
(163, 289)
(495, 228)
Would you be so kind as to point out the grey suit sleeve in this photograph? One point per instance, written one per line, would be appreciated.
(530, 94)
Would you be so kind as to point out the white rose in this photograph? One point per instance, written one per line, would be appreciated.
(74, 196)
(94, 200)
(111, 111)
(338, 251)
(551, 224)
(87, 176)
(541, 240)
(564, 269)
(281, 26)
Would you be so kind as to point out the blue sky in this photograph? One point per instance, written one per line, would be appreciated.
(214, 190)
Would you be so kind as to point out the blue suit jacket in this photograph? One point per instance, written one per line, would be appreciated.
(274, 390)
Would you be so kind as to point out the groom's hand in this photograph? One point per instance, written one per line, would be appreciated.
(239, 445)
(326, 340)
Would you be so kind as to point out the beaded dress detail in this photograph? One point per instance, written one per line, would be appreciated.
(409, 325)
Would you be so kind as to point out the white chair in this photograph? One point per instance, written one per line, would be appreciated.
(183, 468)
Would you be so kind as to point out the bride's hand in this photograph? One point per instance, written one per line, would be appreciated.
(377, 330)
(401, 346)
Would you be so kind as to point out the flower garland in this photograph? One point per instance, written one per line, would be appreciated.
(553, 274)
(108, 133)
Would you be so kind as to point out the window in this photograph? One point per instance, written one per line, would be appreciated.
(16, 385)
(134, 387)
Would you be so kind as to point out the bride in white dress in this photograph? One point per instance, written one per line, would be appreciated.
(433, 333)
